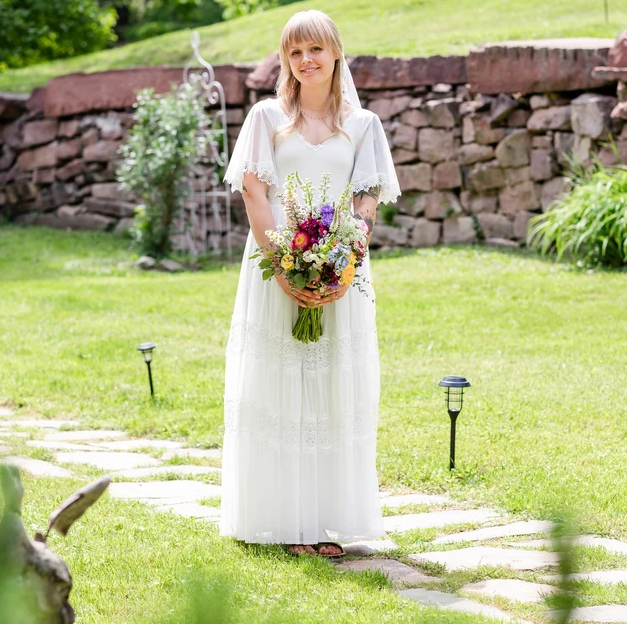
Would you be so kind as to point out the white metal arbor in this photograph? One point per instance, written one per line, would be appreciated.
(205, 221)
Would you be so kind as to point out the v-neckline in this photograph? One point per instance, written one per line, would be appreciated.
(315, 146)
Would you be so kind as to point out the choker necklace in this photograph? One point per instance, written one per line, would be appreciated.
(312, 117)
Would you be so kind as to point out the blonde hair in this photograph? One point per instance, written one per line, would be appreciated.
(310, 25)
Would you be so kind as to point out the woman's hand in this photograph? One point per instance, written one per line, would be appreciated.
(331, 296)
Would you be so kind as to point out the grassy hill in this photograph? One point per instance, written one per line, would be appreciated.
(401, 28)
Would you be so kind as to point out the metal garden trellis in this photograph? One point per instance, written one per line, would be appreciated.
(206, 216)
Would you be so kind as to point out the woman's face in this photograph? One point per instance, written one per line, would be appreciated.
(311, 63)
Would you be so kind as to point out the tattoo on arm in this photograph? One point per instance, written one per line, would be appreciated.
(244, 187)
(369, 221)
(371, 192)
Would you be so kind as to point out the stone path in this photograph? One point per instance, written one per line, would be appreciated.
(130, 462)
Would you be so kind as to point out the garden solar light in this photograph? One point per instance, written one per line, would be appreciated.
(454, 397)
(146, 350)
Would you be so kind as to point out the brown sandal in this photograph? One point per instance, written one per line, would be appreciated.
(302, 552)
(321, 545)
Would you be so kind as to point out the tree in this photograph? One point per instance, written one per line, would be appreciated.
(36, 31)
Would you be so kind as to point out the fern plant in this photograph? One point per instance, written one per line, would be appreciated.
(589, 222)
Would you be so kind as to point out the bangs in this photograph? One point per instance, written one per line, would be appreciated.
(302, 28)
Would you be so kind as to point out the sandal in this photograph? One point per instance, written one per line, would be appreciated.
(290, 550)
(321, 545)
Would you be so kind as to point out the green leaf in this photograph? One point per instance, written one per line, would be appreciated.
(299, 280)
(266, 263)
(267, 274)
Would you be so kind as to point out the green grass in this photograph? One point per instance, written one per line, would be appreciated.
(542, 426)
(402, 28)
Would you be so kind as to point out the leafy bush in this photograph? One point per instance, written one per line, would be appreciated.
(590, 221)
(36, 31)
(166, 140)
(239, 8)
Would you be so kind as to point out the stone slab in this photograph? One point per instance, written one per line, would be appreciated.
(603, 577)
(394, 502)
(450, 602)
(522, 591)
(437, 519)
(505, 530)
(469, 558)
(191, 510)
(76, 436)
(130, 445)
(190, 490)
(5, 449)
(193, 452)
(107, 460)
(168, 500)
(40, 423)
(369, 547)
(61, 446)
(611, 545)
(138, 473)
(399, 573)
(537, 66)
(5, 412)
(37, 467)
(602, 613)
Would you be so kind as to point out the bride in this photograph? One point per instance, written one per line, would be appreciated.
(299, 454)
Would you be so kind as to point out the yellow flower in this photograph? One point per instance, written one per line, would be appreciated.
(287, 262)
(353, 258)
(348, 274)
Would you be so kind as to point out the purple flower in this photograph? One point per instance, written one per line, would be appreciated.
(327, 215)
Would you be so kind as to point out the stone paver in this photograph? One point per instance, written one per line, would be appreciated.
(505, 530)
(603, 613)
(137, 473)
(604, 577)
(523, 591)
(129, 445)
(5, 412)
(484, 556)
(37, 467)
(611, 545)
(16, 434)
(107, 460)
(369, 547)
(41, 423)
(437, 519)
(451, 602)
(190, 490)
(399, 573)
(191, 510)
(77, 436)
(193, 452)
(62, 446)
(5, 449)
(394, 502)
(168, 500)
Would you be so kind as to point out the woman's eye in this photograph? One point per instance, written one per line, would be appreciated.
(295, 53)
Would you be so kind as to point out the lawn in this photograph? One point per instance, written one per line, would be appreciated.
(401, 28)
(542, 428)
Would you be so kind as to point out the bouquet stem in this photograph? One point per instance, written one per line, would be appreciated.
(308, 327)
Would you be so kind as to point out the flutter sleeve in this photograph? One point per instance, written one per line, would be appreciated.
(373, 163)
(254, 149)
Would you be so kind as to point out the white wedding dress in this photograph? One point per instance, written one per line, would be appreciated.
(299, 454)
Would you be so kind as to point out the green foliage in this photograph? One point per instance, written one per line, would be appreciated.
(590, 222)
(388, 212)
(163, 16)
(239, 8)
(166, 140)
(36, 31)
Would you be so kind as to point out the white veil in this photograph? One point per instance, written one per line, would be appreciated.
(349, 92)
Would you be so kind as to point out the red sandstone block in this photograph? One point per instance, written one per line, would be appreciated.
(537, 66)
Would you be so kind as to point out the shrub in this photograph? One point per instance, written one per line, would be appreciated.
(168, 138)
(36, 31)
(590, 222)
(239, 8)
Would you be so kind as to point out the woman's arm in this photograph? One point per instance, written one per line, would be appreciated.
(365, 207)
(255, 194)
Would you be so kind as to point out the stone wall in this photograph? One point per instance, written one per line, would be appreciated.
(479, 142)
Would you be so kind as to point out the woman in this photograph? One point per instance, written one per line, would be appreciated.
(301, 419)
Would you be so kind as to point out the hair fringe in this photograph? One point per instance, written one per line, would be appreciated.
(310, 25)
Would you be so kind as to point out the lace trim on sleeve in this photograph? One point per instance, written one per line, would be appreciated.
(263, 170)
(389, 190)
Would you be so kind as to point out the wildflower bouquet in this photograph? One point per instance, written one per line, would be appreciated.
(320, 247)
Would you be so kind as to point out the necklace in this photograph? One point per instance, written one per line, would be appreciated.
(312, 117)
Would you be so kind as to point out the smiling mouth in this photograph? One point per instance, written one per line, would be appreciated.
(309, 70)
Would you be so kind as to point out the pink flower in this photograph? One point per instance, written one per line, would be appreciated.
(363, 226)
(300, 240)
